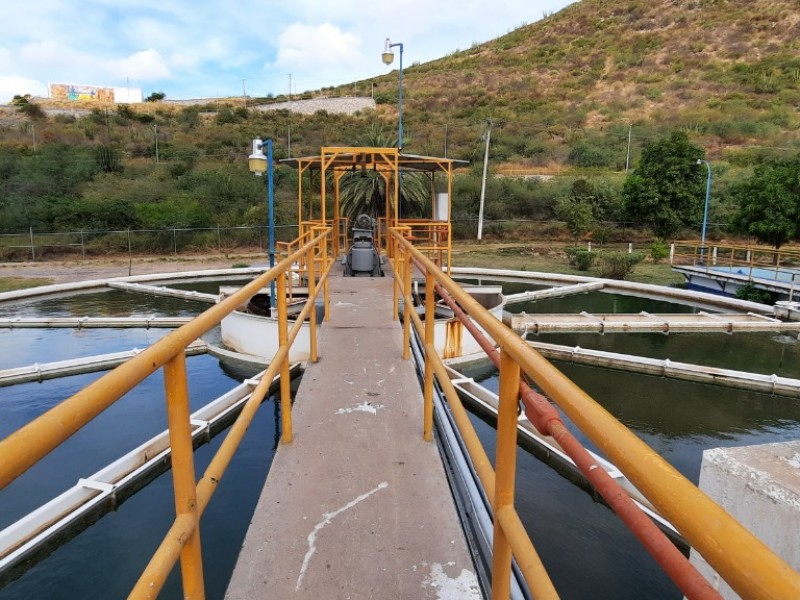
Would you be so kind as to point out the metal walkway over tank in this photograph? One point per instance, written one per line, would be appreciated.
(358, 505)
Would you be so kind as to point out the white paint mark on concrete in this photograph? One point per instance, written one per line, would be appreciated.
(326, 520)
(794, 461)
(346, 304)
(367, 407)
(463, 587)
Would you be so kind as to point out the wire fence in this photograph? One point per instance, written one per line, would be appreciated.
(36, 245)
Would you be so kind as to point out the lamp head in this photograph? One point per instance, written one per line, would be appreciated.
(388, 55)
(699, 161)
(257, 161)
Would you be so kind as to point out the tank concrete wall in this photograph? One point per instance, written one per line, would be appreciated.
(760, 487)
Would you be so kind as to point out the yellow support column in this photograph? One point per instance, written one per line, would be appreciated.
(180, 439)
(283, 338)
(505, 469)
(312, 317)
(430, 310)
(396, 263)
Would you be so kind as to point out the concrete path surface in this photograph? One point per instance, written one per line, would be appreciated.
(358, 505)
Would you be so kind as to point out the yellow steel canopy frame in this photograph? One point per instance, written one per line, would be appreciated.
(334, 162)
(743, 561)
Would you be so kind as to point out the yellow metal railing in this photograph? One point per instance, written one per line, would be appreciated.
(741, 559)
(26, 446)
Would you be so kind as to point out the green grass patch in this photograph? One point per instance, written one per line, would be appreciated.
(17, 283)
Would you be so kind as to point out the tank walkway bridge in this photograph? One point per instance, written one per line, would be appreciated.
(361, 504)
(362, 500)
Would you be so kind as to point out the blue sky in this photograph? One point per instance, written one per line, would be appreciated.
(202, 48)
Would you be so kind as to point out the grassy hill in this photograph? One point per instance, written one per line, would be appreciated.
(727, 70)
(564, 94)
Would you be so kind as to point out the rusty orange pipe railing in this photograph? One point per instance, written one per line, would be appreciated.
(741, 559)
(547, 420)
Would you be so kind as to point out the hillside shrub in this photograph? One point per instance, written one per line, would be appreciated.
(580, 258)
(618, 265)
(750, 292)
(659, 250)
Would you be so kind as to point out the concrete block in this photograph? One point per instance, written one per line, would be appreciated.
(760, 487)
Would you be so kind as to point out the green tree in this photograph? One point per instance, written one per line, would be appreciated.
(666, 190)
(365, 191)
(576, 210)
(769, 202)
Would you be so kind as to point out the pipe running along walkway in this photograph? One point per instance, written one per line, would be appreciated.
(743, 561)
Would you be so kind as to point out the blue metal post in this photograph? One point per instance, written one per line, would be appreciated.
(271, 210)
(400, 102)
(705, 210)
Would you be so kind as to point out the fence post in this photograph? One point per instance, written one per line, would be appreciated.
(630, 247)
(219, 240)
(33, 250)
(83, 246)
(175, 240)
(672, 253)
(589, 246)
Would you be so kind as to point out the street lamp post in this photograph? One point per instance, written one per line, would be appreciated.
(705, 209)
(259, 162)
(388, 57)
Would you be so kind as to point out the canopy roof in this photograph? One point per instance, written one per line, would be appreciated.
(351, 158)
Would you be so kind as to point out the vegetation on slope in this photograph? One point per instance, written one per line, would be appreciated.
(563, 93)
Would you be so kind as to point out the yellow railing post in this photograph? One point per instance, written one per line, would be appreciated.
(180, 439)
(283, 337)
(430, 309)
(325, 265)
(397, 269)
(407, 305)
(505, 467)
(312, 317)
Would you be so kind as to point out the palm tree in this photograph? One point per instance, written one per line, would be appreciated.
(364, 192)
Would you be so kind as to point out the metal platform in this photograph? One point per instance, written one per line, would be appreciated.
(358, 505)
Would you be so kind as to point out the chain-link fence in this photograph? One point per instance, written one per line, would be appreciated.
(34, 245)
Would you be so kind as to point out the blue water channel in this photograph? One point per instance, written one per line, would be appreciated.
(588, 553)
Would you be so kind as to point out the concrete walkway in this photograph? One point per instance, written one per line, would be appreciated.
(358, 506)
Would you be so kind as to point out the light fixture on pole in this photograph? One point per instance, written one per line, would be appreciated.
(260, 163)
(705, 210)
(388, 58)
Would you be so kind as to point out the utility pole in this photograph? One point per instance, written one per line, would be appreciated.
(290, 140)
(488, 136)
(244, 93)
(628, 154)
(290, 87)
(155, 135)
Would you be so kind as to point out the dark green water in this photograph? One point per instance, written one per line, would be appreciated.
(587, 551)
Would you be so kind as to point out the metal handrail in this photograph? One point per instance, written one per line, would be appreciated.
(746, 563)
(29, 444)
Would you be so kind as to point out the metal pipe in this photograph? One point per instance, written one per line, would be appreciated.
(542, 414)
(746, 563)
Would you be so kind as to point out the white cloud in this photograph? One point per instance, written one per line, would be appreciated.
(189, 48)
(13, 85)
(146, 65)
(308, 46)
